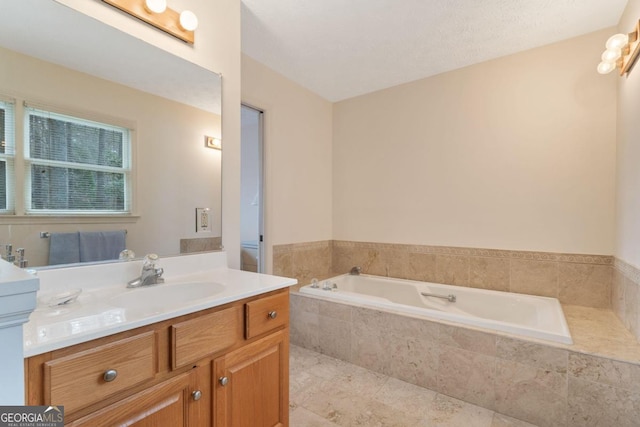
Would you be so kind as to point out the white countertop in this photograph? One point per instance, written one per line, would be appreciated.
(99, 310)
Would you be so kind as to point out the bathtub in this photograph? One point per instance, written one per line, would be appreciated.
(525, 315)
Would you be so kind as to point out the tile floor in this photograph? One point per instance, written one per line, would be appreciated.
(327, 392)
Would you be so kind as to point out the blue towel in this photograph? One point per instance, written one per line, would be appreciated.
(64, 248)
(101, 245)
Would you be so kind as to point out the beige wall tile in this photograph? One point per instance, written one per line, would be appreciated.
(335, 310)
(304, 330)
(421, 267)
(617, 294)
(301, 303)
(311, 263)
(403, 347)
(467, 339)
(631, 306)
(283, 264)
(489, 273)
(593, 404)
(533, 354)
(585, 284)
(529, 393)
(467, 376)
(576, 279)
(534, 277)
(347, 258)
(368, 349)
(605, 371)
(305, 321)
(334, 337)
(389, 262)
(303, 261)
(452, 270)
(200, 244)
(413, 360)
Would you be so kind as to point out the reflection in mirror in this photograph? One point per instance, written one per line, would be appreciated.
(172, 171)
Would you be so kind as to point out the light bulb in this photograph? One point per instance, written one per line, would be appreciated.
(606, 67)
(611, 55)
(155, 6)
(188, 20)
(617, 41)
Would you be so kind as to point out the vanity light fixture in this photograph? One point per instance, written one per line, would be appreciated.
(156, 13)
(212, 142)
(621, 52)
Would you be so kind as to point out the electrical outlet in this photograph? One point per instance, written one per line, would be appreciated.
(203, 220)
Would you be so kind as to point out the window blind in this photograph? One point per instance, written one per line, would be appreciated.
(7, 155)
(75, 166)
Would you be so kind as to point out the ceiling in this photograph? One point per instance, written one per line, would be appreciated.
(341, 49)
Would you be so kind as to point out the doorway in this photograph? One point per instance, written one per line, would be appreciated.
(251, 209)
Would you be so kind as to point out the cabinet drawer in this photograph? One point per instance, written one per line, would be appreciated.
(81, 379)
(266, 314)
(196, 338)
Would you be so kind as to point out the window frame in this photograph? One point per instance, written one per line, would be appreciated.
(127, 169)
(9, 156)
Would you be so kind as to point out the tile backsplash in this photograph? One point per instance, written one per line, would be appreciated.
(574, 279)
(625, 295)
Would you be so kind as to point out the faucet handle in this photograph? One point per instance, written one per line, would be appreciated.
(8, 256)
(21, 262)
(126, 255)
(150, 260)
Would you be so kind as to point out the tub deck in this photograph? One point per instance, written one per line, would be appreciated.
(599, 332)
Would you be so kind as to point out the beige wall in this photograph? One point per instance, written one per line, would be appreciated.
(628, 158)
(297, 151)
(515, 153)
(217, 48)
(170, 160)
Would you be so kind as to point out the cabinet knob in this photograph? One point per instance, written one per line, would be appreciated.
(273, 314)
(223, 381)
(110, 375)
(196, 395)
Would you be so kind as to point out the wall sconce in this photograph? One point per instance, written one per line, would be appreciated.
(156, 13)
(621, 52)
(211, 142)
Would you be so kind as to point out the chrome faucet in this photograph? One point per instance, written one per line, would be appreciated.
(21, 261)
(8, 253)
(355, 271)
(150, 275)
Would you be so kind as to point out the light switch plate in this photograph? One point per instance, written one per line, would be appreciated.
(203, 220)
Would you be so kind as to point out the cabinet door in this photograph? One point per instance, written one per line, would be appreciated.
(251, 384)
(170, 403)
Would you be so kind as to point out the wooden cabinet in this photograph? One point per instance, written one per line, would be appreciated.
(168, 404)
(169, 373)
(92, 375)
(251, 384)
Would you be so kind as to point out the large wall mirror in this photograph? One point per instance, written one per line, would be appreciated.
(56, 59)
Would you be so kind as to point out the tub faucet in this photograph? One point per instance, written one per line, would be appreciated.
(150, 275)
(355, 271)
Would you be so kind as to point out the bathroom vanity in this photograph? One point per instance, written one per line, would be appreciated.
(219, 360)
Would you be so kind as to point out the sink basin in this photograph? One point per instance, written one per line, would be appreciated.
(159, 298)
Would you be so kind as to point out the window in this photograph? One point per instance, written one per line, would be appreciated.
(75, 166)
(7, 155)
